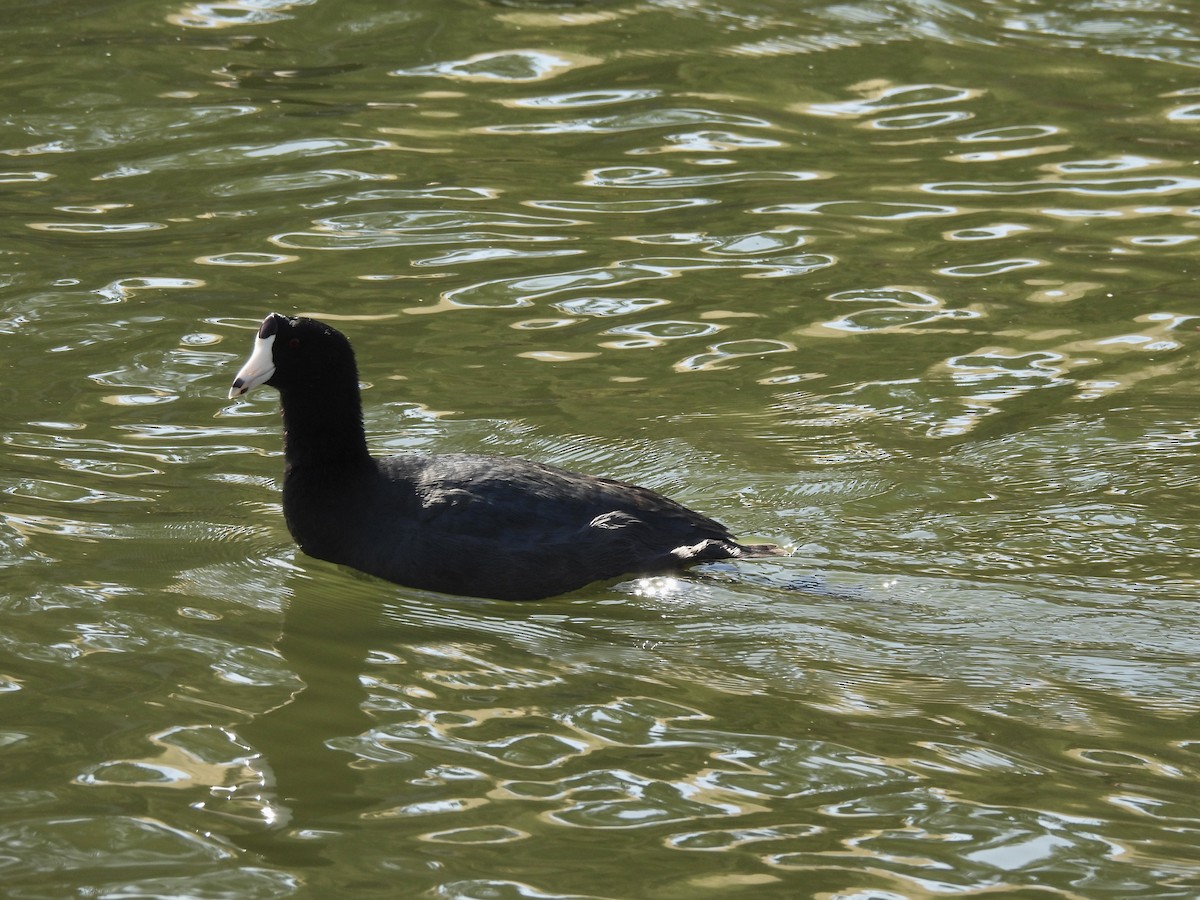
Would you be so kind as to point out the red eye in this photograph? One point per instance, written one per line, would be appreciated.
(294, 343)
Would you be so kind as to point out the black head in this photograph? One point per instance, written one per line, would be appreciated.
(293, 352)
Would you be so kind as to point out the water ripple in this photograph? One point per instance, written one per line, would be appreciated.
(585, 99)
(234, 13)
(647, 177)
(893, 98)
(503, 66)
(663, 117)
(621, 207)
(55, 844)
(104, 228)
(294, 181)
(863, 209)
(185, 757)
(1092, 187)
(516, 292)
(237, 154)
(407, 228)
(125, 128)
(992, 267)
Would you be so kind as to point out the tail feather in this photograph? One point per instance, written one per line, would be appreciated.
(753, 551)
(717, 549)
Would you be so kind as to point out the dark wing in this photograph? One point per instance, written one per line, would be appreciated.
(490, 496)
(519, 530)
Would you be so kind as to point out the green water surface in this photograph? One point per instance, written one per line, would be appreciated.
(907, 287)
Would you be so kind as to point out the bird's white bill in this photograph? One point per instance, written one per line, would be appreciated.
(258, 368)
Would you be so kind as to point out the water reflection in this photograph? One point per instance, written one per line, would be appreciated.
(235, 13)
(632, 122)
(307, 783)
(882, 98)
(508, 66)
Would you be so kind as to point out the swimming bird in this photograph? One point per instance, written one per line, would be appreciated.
(483, 526)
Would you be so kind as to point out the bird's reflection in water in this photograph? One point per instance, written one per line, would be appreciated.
(311, 791)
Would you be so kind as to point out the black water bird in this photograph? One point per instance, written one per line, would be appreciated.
(484, 526)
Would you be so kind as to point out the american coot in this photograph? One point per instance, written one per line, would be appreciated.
(459, 523)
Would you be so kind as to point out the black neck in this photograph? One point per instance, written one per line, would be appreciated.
(322, 426)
